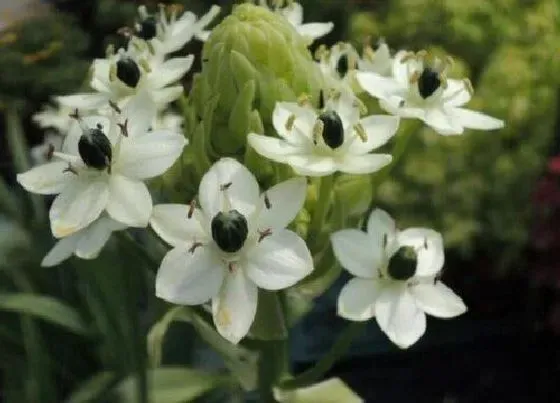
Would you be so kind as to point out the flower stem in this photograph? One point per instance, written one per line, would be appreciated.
(322, 207)
(273, 366)
(338, 349)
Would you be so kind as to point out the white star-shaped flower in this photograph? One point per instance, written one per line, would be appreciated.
(320, 143)
(337, 65)
(399, 296)
(170, 35)
(420, 89)
(85, 244)
(102, 166)
(293, 12)
(129, 74)
(234, 244)
(377, 61)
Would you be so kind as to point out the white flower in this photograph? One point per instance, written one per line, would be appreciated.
(337, 65)
(336, 139)
(420, 89)
(50, 117)
(377, 61)
(130, 74)
(170, 35)
(85, 244)
(293, 12)
(101, 169)
(235, 243)
(399, 296)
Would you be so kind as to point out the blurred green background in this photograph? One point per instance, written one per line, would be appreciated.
(476, 188)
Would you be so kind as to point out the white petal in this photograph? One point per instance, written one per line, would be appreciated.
(356, 252)
(172, 223)
(95, 236)
(235, 306)
(170, 71)
(401, 70)
(443, 122)
(240, 189)
(139, 113)
(393, 106)
(100, 77)
(79, 204)
(302, 125)
(312, 165)
(129, 201)
(428, 245)
(382, 230)
(149, 155)
(189, 278)
(279, 261)
(364, 164)
(456, 93)
(166, 95)
(293, 13)
(271, 148)
(379, 129)
(46, 179)
(61, 251)
(398, 316)
(357, 299)
(285, 200)
(89, 101)
(208, 17)
(438, 300)
(315, 29)
(377, 85)
(475, 120)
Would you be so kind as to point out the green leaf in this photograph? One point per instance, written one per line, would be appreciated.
(46, 308)
(330, 391)
(92, 389)
(157, 333)
(173, 385)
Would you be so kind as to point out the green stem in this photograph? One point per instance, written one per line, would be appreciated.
(338, 349)
(273, 366)
(321, 208)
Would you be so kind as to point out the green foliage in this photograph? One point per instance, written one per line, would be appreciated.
(476, 188)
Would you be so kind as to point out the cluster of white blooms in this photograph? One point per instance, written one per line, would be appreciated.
(232, 239)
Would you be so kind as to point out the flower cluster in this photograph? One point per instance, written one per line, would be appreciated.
(235, 238)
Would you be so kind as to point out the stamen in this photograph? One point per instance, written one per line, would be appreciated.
(318, 128)
(304, 100)
(361, 132)
(231, 267)
(357, 103)
(425, 243)
(468, 86)
(113, 72)
(267, 202)
(290, 122)
(192, 206)
(414, 77)
(385, 240)
(115, 107)
(194, 246)
(321, 52)
(421, 54)
(145, 65)
(225, 186)
(263, 234)
(71, 169)
(124, 128)
(408, 56)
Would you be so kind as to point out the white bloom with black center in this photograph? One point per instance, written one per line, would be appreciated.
(420, 89)
(102, 166)
(85, 244)
(169, 35)
(293, 12)
(338, 65)
(399, 293)
(318, 143)
(129, 74)
(235, 243)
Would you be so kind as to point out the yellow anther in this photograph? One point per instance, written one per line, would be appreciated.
(321, 52)
(421, 54)
(334, 94)
(414, 77)
(408, 56)
(357, 103)
(369, 53)
(145, 65)
(318, 128)
(113, 72)
(304, 100)
(290, 122)
(361, 132)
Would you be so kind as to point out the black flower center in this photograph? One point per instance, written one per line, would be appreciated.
(428, 82)
(403, 264)
(229, 230)
(128, 71)
(333, 131)
(342, 66)
(148, 28)
(95, 148)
